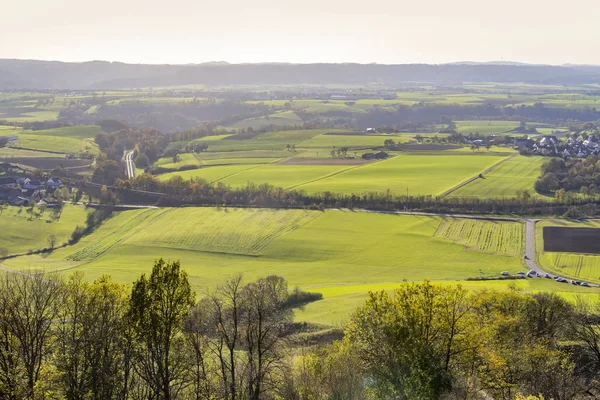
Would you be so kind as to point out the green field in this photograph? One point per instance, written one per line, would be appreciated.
(504, 238)
(21, 233)
(311, 249)
(514, 174)
(282, 118)
(330, 141)
(340, 254)
(339, 301)
(76, 132)
(58, 144)
(569, 265)
(486, 127)
(421, 174)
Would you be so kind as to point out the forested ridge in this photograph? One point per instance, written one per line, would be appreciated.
(21, 74)
(68, 338)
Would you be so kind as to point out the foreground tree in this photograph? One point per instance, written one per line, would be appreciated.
(29, 306)
(157, 308)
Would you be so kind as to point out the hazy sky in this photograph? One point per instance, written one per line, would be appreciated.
(382, 31)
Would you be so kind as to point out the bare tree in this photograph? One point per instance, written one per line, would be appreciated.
(51, 242)
(227, 310)
(266, 319)
(30, 304)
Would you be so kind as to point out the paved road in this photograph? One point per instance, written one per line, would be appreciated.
(130, 167)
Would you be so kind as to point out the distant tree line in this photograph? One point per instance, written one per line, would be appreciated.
(75, 339)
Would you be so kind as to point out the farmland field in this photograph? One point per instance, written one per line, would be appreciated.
(505, 238)
(311, 249)
(486, 127)
(21, 232)
(574, 265)
(58, 144)
(421, 174)
(516, 173)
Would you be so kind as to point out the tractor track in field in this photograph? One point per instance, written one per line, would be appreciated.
(474, 178)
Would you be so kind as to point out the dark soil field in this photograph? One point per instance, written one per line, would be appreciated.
(572, 240)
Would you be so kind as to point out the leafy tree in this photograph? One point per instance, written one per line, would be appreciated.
(157, 308)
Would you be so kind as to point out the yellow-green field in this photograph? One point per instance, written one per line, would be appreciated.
(421, 174)
(20, 232)
(341, 254)
(319, 251)
(497, 237)
(517, 173)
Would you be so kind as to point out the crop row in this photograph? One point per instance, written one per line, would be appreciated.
(237, 231)
(504, 238)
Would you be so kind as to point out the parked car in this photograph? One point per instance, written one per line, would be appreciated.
(504, 273)
(547, 276)
(521, 273)
(585, 284)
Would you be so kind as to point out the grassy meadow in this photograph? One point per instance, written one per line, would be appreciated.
(421, 174)
(341, 254)
(517, 173)
(22, 232)
(312, 249)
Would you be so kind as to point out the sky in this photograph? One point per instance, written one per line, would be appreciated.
(307, 31)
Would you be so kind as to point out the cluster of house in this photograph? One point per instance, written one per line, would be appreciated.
(550, 145)
(23, 191)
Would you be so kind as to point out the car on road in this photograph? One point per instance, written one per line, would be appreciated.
(505, 273)
(585, 284)
(547, 276)
(531, 274)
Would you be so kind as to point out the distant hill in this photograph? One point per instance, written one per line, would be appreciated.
(33, 74)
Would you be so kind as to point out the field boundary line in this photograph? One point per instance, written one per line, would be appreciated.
(487, 171)
(330, 175)
(236, 173)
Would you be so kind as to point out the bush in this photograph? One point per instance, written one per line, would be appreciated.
(299, 298)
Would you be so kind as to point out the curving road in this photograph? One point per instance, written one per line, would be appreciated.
(130, 166)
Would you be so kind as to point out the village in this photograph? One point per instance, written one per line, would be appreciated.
(18, 187)
(580, 146)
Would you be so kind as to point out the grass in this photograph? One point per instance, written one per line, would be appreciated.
(486, 127)
(198, 160)
(516, 173)
(329, 141)
(59, 144)
(281, 118)
(75, 132)
(19, 234)
(419, 174)
(309, 248)
(8, 153)
(422, 174)
(569, 265)
(274, 141)
(340, 254)
(339, 301)
(504, 238)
